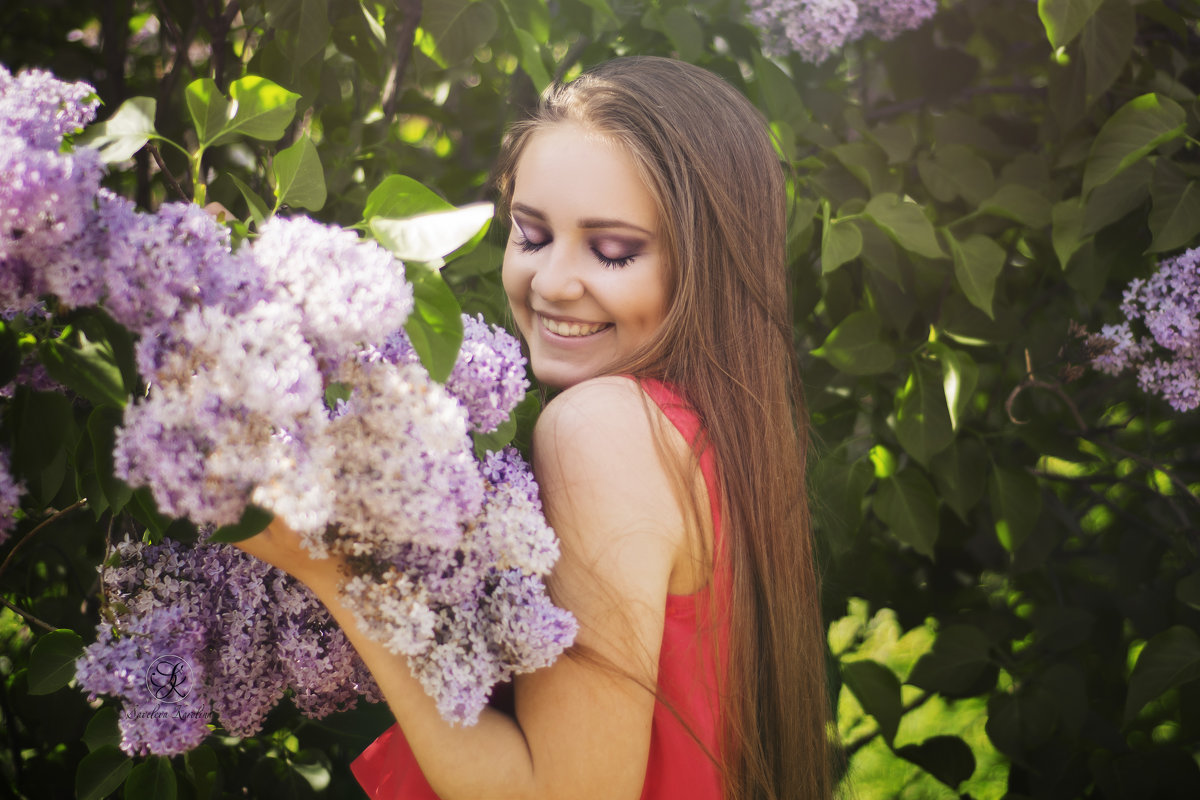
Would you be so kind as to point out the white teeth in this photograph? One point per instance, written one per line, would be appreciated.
(572, 328)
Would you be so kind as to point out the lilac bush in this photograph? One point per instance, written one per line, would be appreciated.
(1167, 356)
(816, 29)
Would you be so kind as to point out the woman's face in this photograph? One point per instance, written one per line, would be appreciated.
(583, 268)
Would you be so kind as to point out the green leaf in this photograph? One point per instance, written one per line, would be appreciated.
(494, 441)
(52, 661)
(955, 170)
(459, 28)
(681, 27)
(897, 139)
(399, 196)
(208, 107)
(435, 326)
(312, 35)
(855, 346)
(1112, 201)
(253, 522)
(960, 375)
(120, 136)
(1106, 46)
(102, 729)
(1130, 134)
(1016, 505)
(1064, 19)
(257, 207)
(430, 237)
(877, 690)
(904, 222)
(298, 176)
(45, 435)
(866, 161)
(153, 779)
(908, 507)
(201, 766)
(1020, 204)
(101, 772)
(947, 758)
(88, 367)
(960, 474)
(957, 662)
(839, 487)
(841, 241)
(922, 421)
(978, 262)
(1169, 660)
(531, 60)
(1067, 229)
(1187, 591)
(1020, 722)
(1175, 213)
(101, 426)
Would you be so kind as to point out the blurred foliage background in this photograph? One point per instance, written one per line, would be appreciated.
(1009, 539)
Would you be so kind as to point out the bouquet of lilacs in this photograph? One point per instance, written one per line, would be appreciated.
(279, 376)
(1167, 355)
(815, 29)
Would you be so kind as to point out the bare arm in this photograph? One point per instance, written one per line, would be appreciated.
(580, 730)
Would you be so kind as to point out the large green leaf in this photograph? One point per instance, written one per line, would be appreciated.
(1106, 45)
(399, 196)
(1020, 204)
(102, 729)
(101, 426)
(153, 779)
(1064, 19)
(435, 326)
(1067, 230)
(908, 507)
(838, 489)
(904, 221)
(960, 473)
(120, 136)
(430, 237)
(956, 663)
(256, 107)
(955, 170)
(1175, 215)
(841, 241)
(298, 176)
(101, 772)
(531, 60)
(459, 28)
(1169, 660)
(1016, 505)
(877, 690)
(208, 107)
(1130, 134)
(855, 346)
(947, 758)
(87, 366)
(52, 661)
(922, 421)
(978, 261)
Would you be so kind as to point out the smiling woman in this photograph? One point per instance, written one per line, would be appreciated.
(583, 269)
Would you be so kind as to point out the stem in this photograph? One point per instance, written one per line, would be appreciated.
(162, 167)
(57, 516)
(199, 189)
(28, 617)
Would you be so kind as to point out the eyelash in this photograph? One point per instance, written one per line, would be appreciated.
(527, 246)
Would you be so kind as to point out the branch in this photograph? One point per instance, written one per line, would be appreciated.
(406, 31)
(28, 617)
(162, 167)
(21, 543)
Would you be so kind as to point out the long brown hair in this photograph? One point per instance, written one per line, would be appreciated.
(705, 154)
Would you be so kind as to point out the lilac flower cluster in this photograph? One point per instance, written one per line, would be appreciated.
(473, 613)
(488, 378)
(10, 496)
(247, 633)
(1167, 307)
(238, 350)
(815, 29)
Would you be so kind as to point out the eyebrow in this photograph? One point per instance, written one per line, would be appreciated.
(583, 223)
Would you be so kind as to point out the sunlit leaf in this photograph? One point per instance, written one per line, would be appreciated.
(856, 347)
(1064, 19)
(430, 237)
(1130, 134)
(904, 221)
(298, 176)
(120, 136)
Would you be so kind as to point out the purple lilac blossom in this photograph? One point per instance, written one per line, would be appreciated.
(350, 291)
(10, 496)
(887, 19)
(247, 631)
(488, 378)
(41, 109)
(815, 29)
(1167, 307)
(234, 415)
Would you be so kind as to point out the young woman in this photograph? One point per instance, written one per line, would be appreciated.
(645, 270)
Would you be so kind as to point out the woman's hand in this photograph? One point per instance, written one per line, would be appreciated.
(281, 547)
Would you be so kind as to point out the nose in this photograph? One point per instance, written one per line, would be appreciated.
(557, 277)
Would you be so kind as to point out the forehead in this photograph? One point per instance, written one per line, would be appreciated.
(569, 170)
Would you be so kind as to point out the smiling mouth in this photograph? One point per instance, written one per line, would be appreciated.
(573, 328)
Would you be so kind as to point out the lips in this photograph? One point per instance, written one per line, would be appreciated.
(572, 329)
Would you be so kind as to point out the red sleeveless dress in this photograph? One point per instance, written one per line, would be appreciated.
(678, 767)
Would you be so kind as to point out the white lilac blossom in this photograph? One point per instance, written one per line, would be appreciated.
(247, 632)
(488, 378)
(351, 292)
(1167, 307)
(815, 29)
(10, 496)
(233, 416)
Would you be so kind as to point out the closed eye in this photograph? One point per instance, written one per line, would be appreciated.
(614, 263)
(525, 245)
